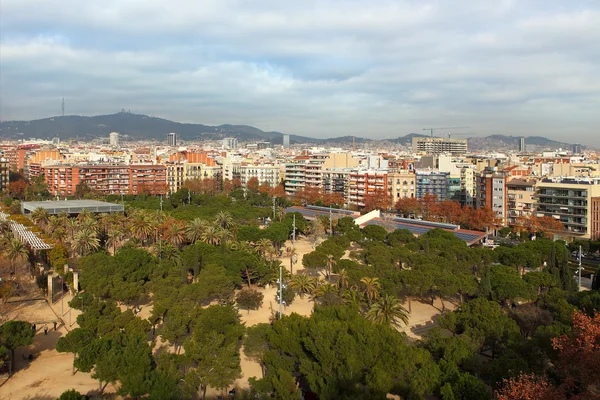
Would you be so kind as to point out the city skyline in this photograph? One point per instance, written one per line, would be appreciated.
(317, 70)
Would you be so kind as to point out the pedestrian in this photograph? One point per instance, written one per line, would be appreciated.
(45, 329)
(34, 328)
(54, 325)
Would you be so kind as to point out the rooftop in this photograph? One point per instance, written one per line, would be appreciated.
(70, 206)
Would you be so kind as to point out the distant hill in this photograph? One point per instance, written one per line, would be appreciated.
(136, 126)
(406, 139)
(502, 142)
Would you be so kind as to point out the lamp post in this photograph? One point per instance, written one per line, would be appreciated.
(274, 198)
(579, 269)
(280, 292)
(294, 230)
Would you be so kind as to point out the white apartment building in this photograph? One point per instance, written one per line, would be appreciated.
(265, 173)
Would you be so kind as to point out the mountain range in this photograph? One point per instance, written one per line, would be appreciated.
(138, 126)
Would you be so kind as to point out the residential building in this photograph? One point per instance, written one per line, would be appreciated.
(113, 139)
(595, 216)
(401, 184)
(521, 199)
(522, 148)
(492, 193)
(265, 174)
(468, 187)
(172, 139)
(151, 179)
(230, 143)
(430, 145)
(4, 173)
(570, 200)
(337, 180)
(431, 182)
(364, 183)
(176, 176)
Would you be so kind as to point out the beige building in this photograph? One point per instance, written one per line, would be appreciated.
(428, 145)
(521, 199)
(401, 184)
(265, 173)
(176, 176)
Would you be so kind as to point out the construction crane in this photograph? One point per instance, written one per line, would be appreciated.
(446, 127)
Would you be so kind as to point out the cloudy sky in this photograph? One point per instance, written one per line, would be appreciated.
(318, 68)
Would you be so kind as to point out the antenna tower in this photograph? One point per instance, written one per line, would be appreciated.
(63, 107)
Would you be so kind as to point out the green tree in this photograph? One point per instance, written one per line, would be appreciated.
(15, 334)
(249, 299)
(74, 342)
(72, 394)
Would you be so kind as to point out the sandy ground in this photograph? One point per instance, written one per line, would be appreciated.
(49, 374)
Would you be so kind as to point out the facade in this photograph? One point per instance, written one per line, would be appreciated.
(4, 173)
(62, 180)
(432, 182)
(569, 200)
(265, 173)
(401, 185)
(522, 147)
(595, 214)
(172, 139)
(151, 179)
(467, 187)
(337, 180)
(113, 139)
(492, 193)
(17, 159)
(286, 141)
(176, 176)
(521, 199)
(364, 183)
(439, 145)
(230, 143)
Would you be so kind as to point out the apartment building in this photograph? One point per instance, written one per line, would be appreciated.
(4, 173)
(364, 183)
(492, 193)
(17, 158)
(468, 187)
(176, 175)
(595, 216)
(265, 173)
(521, 199)
(429, 145)
(401, 184)
(431, 182)
(570, 200)
(337, 180)
(307, 170)
(105, 179)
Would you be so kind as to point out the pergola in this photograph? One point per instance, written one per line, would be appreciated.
(25, 235)
(71, 206)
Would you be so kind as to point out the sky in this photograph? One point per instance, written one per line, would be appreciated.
(375, 69)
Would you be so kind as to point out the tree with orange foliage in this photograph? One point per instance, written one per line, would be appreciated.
(333, 199)
(229, 185)
(526, 387)
(379, 199)
(16, 189)
(309, 195)
(264, 188)
(480, 219)
(448, 211)
(253, 184)
(428, 204)
(407, 206)
(577, 365)
(580, 353)
(277, 191)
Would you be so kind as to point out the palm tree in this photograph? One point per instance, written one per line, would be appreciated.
(195, 229)
(372, 288)
(264, 246)
(84, 214)
(343, 279)
(211, 235)
(89, 223)
(225, 235)
(353, 297)
(388, 310)
(292, 253)
(167, 251)
(71, 225)
(55, 223)
(242, 246)
(174, 232)
(224, 220)
(15, 250)
(324, 289)
(113, 238)
(303, 284)
(330, 263)
(40, 217)
(273, 275)
(59, 234)
(141, 227)
(84, 242)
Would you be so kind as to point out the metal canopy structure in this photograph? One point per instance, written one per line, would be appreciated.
(71, 206)
(23, 233)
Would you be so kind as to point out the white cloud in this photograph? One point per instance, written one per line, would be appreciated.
(314, 67)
